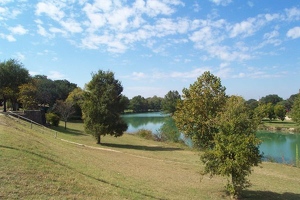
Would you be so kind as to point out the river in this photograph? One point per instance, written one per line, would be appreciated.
(276, 146)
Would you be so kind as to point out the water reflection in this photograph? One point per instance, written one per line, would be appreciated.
(280, 147)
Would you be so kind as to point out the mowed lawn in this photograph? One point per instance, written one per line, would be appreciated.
(40, 164)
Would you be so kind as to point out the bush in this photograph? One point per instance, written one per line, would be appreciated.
(147, 134)
(52, 119)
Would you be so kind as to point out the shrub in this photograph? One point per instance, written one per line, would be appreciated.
(52, 119)
(147, 134)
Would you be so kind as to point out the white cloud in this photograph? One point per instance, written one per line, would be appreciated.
(190, 74)
(55, 75)
(244, 27)
(293, 13)
(294, 32)
(138, 75)
(72, 26)
(9, 38)
(49, 9)
(221, 2)
(20, 56)
(18, 30)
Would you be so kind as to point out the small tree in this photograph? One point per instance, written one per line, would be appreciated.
(235, 148)
(170, 101)
(102, 106)
(65, 110)
(195, 115)
(295, 112)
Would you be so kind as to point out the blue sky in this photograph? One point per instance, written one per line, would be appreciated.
(154, 46)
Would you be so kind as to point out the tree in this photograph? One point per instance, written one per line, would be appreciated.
(280, 111)
(76, 97)
(12, 75)
(295, 112)
(154, 103)
(65, 109)
(102, 106)
(138, 104)
(170, 101)
(195, 115)
(271, 98)
(46, 91)
(28, 96)
(235, 148)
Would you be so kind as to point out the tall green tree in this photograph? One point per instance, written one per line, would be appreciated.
(102, 106)
(235, 148)
(28, 95)
(195, 115)
(76, 97)
(295, 112)
(170, 101)
(12, 75)
(280, 111)
(138, 104)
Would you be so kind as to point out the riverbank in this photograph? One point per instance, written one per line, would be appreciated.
(286, 126)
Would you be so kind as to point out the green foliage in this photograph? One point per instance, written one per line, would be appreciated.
(48, 91)
(102, 106)
(65, 109)
(138, 104)
(154, 103)
(280, 111)
(170, 101)
(235, 148)
(195, 115)
(168, 131)
(147, 134)
(27, 96)
(76, 98)
(297, 156)
(52, 119)
(271, 98)
(12, 75)
(295, 112)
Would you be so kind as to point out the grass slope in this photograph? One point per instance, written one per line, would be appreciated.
(36, 165)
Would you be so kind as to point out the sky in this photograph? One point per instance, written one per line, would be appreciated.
(157, 46)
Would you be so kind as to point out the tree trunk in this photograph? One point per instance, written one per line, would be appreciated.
(98, 139)
(65, 124)
(4, 105)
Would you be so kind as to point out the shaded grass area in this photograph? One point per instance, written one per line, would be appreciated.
(36, 165)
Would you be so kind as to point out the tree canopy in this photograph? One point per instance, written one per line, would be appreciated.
(196, 114)
(295, 113)
(102, 106)
(12, 75)
(170, 101)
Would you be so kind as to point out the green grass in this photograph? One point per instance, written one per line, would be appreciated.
(286, 125)
(36, 165)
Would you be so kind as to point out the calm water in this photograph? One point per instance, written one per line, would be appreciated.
(276, 146)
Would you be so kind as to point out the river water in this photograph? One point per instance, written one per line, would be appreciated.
(276, 146)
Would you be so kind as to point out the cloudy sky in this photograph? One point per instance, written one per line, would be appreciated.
(154, 46)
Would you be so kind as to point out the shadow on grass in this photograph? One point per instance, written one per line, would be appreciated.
(139, 147)
(267, 195)
(68, 131)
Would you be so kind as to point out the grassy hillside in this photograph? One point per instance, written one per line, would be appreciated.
(34, 164)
